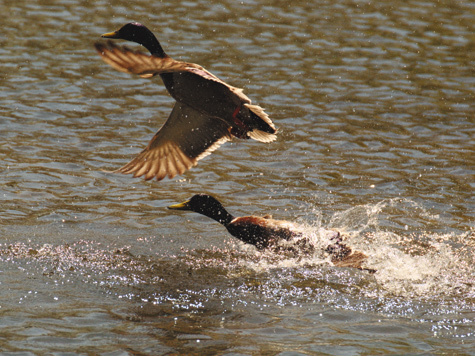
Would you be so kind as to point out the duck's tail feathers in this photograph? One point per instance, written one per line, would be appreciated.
(265, 130)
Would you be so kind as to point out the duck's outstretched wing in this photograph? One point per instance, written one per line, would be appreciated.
(127, 60)
(185, 138)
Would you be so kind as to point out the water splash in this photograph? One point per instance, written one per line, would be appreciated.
(415, 266)
(410, 263)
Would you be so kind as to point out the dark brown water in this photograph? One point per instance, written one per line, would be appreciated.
(375, 106)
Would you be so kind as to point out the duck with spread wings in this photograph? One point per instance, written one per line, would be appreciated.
(207, 112)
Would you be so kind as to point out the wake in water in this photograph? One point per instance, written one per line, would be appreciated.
(421, 265)
(408, 264)
(424, 278)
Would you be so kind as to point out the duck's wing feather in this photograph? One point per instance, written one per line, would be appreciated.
(185, 138)
(127, 60)
(350, 258)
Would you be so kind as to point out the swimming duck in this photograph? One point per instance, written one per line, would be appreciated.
(265, 232)
(207, 112)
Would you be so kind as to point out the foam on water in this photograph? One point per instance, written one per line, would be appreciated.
(413, 264)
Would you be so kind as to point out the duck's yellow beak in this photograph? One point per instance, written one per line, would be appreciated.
(110, 35)
(181, 206)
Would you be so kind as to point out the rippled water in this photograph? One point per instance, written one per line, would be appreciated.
(375, 106)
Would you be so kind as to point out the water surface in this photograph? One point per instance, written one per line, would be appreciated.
(375, 106)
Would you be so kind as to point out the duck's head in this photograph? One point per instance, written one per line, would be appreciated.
(136, 32)
(198, 203)
(207, 205)
(132, 31)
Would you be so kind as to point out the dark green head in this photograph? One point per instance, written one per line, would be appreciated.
(136, 32)
(206, 205)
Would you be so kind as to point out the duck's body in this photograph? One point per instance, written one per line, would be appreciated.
(262, 232)
(266, 233)
(208, 111)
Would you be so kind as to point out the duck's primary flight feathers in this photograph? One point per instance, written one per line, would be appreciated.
(185, 138)
(127, 60)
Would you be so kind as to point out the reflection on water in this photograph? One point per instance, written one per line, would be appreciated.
(374, 102)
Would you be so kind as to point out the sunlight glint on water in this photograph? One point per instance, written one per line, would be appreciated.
(373, 101)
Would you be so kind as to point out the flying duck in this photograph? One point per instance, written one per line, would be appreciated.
(207, 112)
